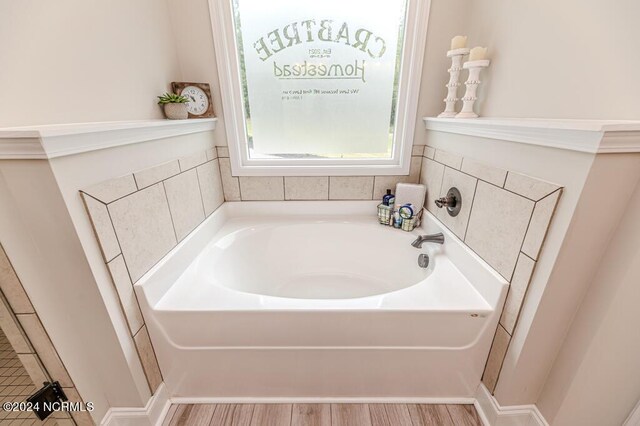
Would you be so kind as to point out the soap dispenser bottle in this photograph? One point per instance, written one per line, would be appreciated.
(388, 199)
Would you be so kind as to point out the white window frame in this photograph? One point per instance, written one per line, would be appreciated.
(417, 16)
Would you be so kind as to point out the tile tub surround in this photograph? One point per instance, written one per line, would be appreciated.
(504, 219)
(278, 188)
(22, 329)
(140, 217)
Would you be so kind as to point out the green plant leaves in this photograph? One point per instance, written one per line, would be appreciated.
(172, 98)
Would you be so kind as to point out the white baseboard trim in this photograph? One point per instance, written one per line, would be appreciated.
(492, 414)
(321, 400)
(150, 415)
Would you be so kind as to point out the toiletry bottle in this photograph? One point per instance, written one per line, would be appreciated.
(397, 220)
(388, 199)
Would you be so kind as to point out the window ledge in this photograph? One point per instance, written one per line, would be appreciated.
(60, 140)
(590, 136)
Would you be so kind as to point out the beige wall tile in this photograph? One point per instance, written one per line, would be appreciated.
(223, 151)
(148, 177)
(260, 188)
(12, 287)
(417, 150)
(185, 202)
(148, 358)
(44, 348)
(431, 176)
(112, 189)
(143, 225)
(414, 169)
(102, 227)
(482, 171)
(539, 225)
(230, 184)
(467, 186)
(448, 158)
(192, 160)
(351, 187)
(382, 183)
(82, 418)
(10, 327)
(210, 186)
(532, 188)
(34, 368)
(496, 356)
(429, 152)
(306, 187)
(517, 290)
(497, 226)
(128, 300)
(212, 154)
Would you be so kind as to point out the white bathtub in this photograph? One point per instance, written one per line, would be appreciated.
(321, 303)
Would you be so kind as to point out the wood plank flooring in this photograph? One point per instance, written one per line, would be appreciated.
(321, 415)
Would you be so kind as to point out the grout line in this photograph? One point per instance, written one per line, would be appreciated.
(173, 225)
(373, 186)
(135, 181)
(525, 254)
(204, 213)
(284, 188)
(473, 200)
(283, 197)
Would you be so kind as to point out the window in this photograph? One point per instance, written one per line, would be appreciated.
(319, 87)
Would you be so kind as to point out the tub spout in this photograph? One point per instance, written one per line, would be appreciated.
(433, 238)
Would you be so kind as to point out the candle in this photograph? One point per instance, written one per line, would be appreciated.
(458, 42)
(478, 53)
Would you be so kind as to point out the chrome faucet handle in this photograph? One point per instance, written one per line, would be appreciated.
(452, 201)
(446, 201)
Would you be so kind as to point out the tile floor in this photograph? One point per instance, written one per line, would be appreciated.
(15, 386)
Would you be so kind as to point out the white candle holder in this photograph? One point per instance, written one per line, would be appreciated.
(456, 56)
(472, 83)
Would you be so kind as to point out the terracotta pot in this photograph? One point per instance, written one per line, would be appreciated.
(176, 111)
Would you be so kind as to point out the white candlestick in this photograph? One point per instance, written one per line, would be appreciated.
(458, 42)
(478, 53)
(452, 87)
(472, 83)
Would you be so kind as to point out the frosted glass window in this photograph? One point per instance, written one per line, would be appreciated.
(319, 78)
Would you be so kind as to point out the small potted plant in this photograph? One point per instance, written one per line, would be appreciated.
(175, 106)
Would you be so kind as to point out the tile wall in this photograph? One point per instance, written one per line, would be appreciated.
(254, 188)
(140, 217)
(22, 327)
(504, 219)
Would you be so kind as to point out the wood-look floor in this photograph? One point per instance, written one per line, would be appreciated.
(321, 415)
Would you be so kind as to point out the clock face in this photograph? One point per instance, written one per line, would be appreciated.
(198, 100)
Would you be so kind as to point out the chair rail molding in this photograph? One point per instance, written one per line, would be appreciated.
(590, 136)
(60, 140)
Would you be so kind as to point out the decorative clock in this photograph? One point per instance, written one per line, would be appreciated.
(199, 95)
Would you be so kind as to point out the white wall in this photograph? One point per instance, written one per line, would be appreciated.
(447, 18)
(194, 42)
(596, 377)
(558, 59)
(69, 61)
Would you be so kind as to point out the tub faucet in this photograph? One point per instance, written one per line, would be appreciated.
(432, 238)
